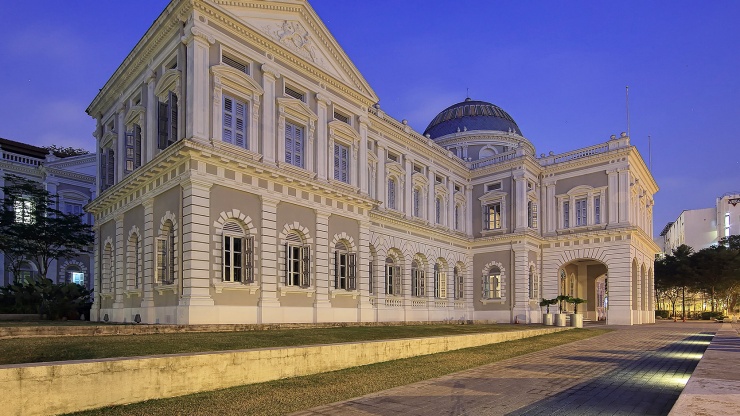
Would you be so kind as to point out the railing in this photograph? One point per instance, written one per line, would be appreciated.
(612, 144)
(440, 303)
(26, 160)
(418, 303)
(459, 304)
(393, 303)
(503, 157)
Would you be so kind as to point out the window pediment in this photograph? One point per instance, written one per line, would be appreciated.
(419, 178)
(492, 196)
(236, 80)
(394, 168)
(339, 127)
(136, 114)
(440, 189)
(580, 190)
(296, 108)
(170, 81)
(108, 138)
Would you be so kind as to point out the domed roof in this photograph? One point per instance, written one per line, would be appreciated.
(471, 115)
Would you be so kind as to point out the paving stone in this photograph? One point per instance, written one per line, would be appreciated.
(632, 370)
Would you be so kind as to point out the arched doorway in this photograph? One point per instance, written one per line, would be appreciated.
(586, 279)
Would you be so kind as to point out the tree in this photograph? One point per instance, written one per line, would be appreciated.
(61, 151)
(32, 228)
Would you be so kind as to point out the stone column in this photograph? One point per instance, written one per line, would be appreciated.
(409, 188)
(450, 203)
(380, 178)
(550, 206)
(363, 163)
(322, 156)
(520, 203)
(519, 278)
(365, 312)
(120, 143)
(612, 202)
(431, 217)
(270, 136)
(117, 314)
(469, 209)
(149, 147)
(323, 275)
(624, 196)
(147, 302)
(197, 87)
(196, 304)
(269, 304)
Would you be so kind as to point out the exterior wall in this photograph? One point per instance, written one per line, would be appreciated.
(199, 181)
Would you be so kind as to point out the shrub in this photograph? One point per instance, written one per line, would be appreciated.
(42, 296)
(711, 315)
(662, 313)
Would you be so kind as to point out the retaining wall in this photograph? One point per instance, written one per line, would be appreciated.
(61, 387)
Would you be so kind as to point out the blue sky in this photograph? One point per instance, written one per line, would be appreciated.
(559, 68)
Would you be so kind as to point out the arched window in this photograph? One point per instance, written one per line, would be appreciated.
(492, 284)
(345, 267)
(73, 274)
(417, 279)
(392, 193)
(459, 283)
(166, 254)
(237, 254)
(297, 261)
(107, 277)
(26, 273)
(392, 277)
(440, 282)
(133, 261)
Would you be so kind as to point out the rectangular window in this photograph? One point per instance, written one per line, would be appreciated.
(457, 217)
(418, 281)
(23, 211)
(228, 60)
(492, 286)
(566, 214)
(162, 260)
(294, 145)
(234, 122)
(493, 186)
(492, 216)
(459, 284)
(77, 278)
(167, 122)
(341, 117)
(345, 270)
(233, 258)
(532, 214)
(581, 212)
(341, 162)
(393, 279)
(295, 94)
(440, 284)
(133, 148)
(597, 210)
(297, 265)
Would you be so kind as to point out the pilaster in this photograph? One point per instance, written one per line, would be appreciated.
(117, 312)
(520, 203)
(450, 204)
(120, 155)
(147, 303)
(198, 44)
(152, 105)
(408, 190)
(519, 278)
(363, 163)
(365, 312)
(269, 134)
(96, 287)
(624, 196)
(380, 177)
(322, 155)
(469, 209)
(431, 217)
(613, 197)
(268, 261)
(324, 279)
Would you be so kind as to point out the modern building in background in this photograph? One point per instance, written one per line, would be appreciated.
(73, 179)
(701, 228)
(248, 175)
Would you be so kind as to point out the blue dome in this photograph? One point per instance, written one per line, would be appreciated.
(471, 115)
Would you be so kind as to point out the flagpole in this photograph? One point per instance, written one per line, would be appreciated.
(627, 96)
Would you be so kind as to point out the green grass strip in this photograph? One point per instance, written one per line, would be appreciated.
(64, 348)
(300, 393)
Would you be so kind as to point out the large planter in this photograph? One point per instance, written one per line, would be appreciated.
(547, 319)
(576, 320)
(560, 319)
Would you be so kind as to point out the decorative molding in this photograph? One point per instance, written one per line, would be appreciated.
(295, 37)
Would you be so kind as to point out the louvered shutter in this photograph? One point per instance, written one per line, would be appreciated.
(486, 287)
(171, 254)
(422, 283)
(336, 270)
(228, 120)
(306, 272)
(103, 169)
(289, 134)
(352, 271)
(298, 147)
(287, 264)
(337, 157)
(249, 259)
(345, 164)
(137, 146)
(443, 285)
(240, 124)
(226, 254)
(111, 167)
(162, 125)
(397, 280)
(173, 136)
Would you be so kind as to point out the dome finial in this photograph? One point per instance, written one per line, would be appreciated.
(467, 94)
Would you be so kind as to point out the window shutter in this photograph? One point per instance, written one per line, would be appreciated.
(249, 259)
(103, 169)
(422, 283)
(173, 136)
(171, 253)
(289, 133)
(352, 271)
(486, 287)
(298, 147)
(534, 215)
(287, 264)
(162, 127)
(306, 272)
(337, 157)
(240, 124)
(137, 146)
(442, 285)
(397, 280)
(336, 270)
(111, 167)
(228, 120)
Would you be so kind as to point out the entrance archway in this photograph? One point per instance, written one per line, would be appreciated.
(586, 279)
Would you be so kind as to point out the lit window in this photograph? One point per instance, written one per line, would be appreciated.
(392, 277)
(492, 216)
(440, 282)
(492, 284)
(345, 269)
(23, 211)
(417, 280)
(297, 262)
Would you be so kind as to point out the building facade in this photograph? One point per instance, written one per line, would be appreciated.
(701, 228)
(73, 180)
(247, 175)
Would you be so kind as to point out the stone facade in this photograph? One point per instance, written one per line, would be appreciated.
(262, 183)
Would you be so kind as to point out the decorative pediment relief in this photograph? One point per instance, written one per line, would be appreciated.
(440, 189)
(339, 127)
(235, 79)
(394, 168)
(170, 81)
(492, 196)
(136, 114)
(580, 189)
(296, 108)
(292, 34)
(419, 178)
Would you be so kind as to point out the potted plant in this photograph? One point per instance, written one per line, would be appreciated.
(547, 316)
(576, 319)
(561, 316)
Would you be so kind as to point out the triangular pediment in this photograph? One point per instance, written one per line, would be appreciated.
(294, 26)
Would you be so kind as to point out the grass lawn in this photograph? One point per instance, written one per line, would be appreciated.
(294, 394)
(63, 348)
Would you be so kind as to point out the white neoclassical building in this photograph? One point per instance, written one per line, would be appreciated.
(247, 175)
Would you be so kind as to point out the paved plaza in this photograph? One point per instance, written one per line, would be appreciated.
(637, 370)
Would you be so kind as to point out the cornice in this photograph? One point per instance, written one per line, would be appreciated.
(421, 227)
(610, 156)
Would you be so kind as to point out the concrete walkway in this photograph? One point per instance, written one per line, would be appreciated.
(633, 370)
